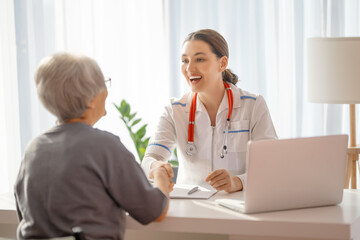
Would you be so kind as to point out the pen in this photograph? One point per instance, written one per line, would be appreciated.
(194, 189)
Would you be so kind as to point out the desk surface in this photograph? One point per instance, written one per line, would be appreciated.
(204, 216)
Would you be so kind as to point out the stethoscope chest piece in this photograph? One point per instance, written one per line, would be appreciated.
(190, 149)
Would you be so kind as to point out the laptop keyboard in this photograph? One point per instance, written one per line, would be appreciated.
(233, 204)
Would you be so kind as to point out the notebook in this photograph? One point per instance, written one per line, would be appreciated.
(293, 173)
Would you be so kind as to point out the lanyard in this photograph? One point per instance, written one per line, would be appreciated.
(190, 148)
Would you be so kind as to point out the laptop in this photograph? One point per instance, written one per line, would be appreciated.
(293, 173)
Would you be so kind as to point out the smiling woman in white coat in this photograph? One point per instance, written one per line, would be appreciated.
(212, 123)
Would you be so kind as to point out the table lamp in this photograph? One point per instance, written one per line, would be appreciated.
(334, 77)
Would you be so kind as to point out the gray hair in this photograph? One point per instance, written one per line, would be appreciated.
(66, 83)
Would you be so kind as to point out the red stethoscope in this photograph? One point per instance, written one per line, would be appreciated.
(190, 147)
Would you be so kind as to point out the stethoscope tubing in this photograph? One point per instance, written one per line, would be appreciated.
(190, 147)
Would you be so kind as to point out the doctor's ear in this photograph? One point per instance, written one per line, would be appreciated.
(223, 63)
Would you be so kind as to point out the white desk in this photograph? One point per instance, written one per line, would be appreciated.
(205, 217)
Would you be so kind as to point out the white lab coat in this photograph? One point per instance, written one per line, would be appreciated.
(250, 120)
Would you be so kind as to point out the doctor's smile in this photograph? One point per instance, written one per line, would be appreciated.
(195, 79)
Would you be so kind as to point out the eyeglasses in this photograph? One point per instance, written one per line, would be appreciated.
(107, 82)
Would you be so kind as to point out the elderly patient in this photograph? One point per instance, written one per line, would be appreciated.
(76, 175)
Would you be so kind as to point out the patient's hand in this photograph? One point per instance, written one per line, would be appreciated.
(164, 183)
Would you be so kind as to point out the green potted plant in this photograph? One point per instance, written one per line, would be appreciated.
(138, 136)
(130, 121)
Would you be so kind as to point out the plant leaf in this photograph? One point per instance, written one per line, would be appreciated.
(132, 116)
(136, 121)
(175, 153)
(122, 107)
(146, 142)
(141, 132)
(142, 145)
(142, 150)
(174, 163)
(127, 110)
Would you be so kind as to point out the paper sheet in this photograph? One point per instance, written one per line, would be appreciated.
(181, 191)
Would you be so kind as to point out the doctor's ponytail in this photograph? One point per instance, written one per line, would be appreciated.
(229, 76)
(218, 46)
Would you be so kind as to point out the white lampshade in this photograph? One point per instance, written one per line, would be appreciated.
(334, 70)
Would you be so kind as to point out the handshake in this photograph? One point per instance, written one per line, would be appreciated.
(162, 174)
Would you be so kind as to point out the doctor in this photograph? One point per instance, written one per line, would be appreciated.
(212, 123)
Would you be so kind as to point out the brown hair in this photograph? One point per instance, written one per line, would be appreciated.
(218, 46)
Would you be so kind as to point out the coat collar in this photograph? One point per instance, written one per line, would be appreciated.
(224, 105)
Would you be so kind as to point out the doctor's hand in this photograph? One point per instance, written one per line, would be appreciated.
(221, 179)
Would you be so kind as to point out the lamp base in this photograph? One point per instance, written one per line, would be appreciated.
(352, 158)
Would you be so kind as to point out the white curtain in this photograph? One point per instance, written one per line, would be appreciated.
(138, 44)
(9, 112)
